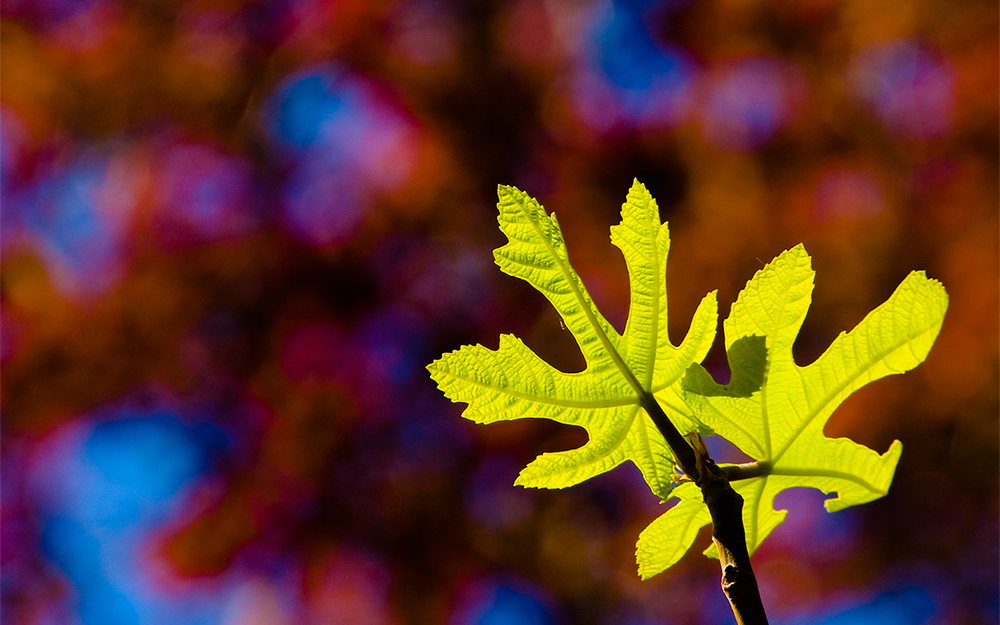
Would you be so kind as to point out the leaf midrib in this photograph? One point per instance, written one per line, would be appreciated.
(568, 275)
(552, 401)
(654, 262)
(828, 399)
(831, 473)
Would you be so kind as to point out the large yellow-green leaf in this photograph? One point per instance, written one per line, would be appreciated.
(775, 411)
(512, 382)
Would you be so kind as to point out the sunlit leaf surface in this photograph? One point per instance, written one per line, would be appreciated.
(774, 410)
(512, 382)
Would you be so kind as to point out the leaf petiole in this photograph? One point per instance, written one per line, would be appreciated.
(747, 470)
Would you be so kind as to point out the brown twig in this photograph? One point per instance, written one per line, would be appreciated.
(726, 508)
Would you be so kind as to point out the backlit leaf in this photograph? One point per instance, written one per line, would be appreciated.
(781, 424)
(512, 382)
(772, 409)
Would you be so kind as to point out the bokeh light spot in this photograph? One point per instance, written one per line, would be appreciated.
(80, 218)
(205, 192)
(630, 78)
(911, 605)
(847, 192)
(105, 488)
(503, 604)
(307, 109)
(344, 142)
(78, 553)
(323, 202)
(745, 104)
(907, 86)
(141, 461)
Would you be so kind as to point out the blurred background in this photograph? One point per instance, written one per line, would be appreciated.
(235, 232)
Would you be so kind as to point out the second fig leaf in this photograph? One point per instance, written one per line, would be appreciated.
(781, 423)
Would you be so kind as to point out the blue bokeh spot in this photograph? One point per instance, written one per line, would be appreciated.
(649, 79)
(121, 482)
(142, 462)
(503, 604)
(304, 113)
(69, 544)
(911, 605)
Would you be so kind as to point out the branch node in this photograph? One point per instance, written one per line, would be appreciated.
(726, 508)
(730, 575)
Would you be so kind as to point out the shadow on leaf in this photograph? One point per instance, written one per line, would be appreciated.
(747, 358)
